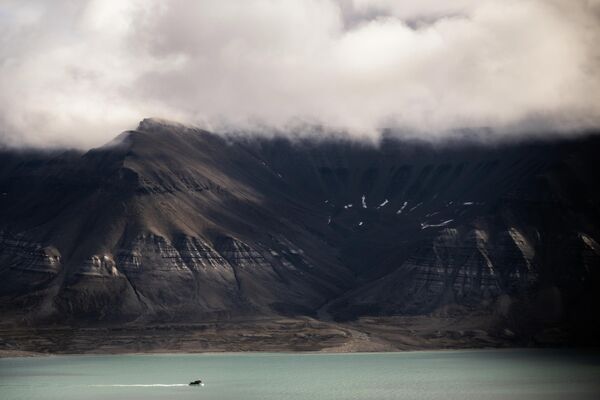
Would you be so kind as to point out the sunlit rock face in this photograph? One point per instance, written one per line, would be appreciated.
(99, 266)
(458, 266)
(169, 223)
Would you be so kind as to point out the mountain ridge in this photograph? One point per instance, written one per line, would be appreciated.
(169, 223)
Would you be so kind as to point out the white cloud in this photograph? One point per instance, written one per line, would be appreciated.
(416, 9)
(77, 73)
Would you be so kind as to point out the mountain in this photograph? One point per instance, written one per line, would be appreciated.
(172, 224)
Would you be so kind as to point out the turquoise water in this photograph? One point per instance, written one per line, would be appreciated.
(488, 374)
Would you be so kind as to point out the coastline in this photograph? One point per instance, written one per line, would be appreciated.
(277, 335)
(4, 354)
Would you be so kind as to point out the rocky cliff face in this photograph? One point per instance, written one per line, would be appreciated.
(27, 263)
(170, 223)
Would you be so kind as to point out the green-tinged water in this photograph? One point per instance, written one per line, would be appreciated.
(489, 374)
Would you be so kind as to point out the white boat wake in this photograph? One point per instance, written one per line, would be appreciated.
(143, 385)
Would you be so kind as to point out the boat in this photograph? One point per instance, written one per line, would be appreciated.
(197, 383)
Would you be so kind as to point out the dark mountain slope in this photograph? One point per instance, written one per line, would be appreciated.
(511, 229)
(169, 223)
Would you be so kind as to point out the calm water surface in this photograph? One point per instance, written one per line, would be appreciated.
(489, 374)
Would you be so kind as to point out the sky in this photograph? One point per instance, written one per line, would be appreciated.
(75, 73)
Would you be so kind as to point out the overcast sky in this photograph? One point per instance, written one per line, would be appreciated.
(77, 72)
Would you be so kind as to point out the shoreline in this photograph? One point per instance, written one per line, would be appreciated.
(278, 335)
(23, 354)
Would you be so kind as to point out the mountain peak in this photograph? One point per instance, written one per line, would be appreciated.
(150, 124)
(148, 132)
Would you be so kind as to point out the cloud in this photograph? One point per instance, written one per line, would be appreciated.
(75, 73)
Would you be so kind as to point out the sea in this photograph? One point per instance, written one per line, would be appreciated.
(455, 374)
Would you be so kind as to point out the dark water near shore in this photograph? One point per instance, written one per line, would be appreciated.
(488, 374)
